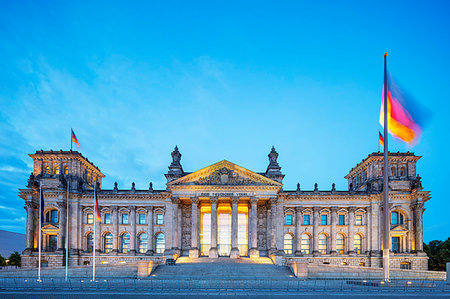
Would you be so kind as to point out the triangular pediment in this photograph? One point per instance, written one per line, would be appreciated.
(398, 228)
(50, 226)
(224, 173)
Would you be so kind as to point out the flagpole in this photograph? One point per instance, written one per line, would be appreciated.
(67, 213)
(71, 133)
(386, 228)
(93, 256)
(40, 231)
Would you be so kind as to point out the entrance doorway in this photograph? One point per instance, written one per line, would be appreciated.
(224, 234)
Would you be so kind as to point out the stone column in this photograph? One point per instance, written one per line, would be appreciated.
(133, 230)
(175, 246)
(37, 217)
(298, 231)
(62, 226)
(375, 229)
(213, 251)
(254, 252)
(315, 237)
(193, 252)
(150, 236)
(115, 232)
(74, 227)
(234, 228)
(418, 213)
(268, 227)
(30, 226)
(279, 227)
(168, 226)
(333, 230)
(179, 225)
(351, 230)
(273, 223)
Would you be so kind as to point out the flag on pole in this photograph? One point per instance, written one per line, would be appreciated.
(75, 140)
(380, 139)
(97, 213)
(405, 117)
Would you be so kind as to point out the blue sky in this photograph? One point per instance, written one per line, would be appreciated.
(222, 80)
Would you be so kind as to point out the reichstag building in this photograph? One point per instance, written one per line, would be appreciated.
(224, 210)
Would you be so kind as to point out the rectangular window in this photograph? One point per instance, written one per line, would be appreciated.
(141, 218)
(90, 218)
(306, 219)
(54, 216)
(159, 219)
(358, 220)
(396, 244)
(341, 219)
(288, 219)
(324, 220)
(124, 218)
(107, 218)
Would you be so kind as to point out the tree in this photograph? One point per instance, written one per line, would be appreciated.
(2, 261)
(438, 253)
(15, 259)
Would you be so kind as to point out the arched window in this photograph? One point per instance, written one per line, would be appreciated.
(357, 244)
(288, 243)
(160, 243)
(56, 169)
(322, 244)
(51, 216)
(142, 243)
(393, 172)
(125, 243)
(89, 242)
(340, 244)
(46, 169)
(397, 218)
(403, 171)
(108, 241)
(66, 169)
(305, 246)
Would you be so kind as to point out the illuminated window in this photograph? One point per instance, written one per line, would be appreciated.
(66, 169)
(289, 219)
(358, 220)
(46, 169)
(341, 219)
(141, 218)
(56, 169)
(159, 219)
(361, 264)
(306, 219)
(357, 244)
(405, 265)
(142, 243)
(90, 218)
(403, 171)
(322, 244)
(107, 218)
(305, 244)
(125, 243)
(340, 244)
(324, 219)
(89, 242)
(160, 243)
(124, 218)
(108, 241)
(288, 243)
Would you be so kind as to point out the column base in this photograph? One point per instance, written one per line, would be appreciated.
(333, 253)
(149, 252)
(193, 253)
(213, 253)
(352, 253)
(315, 253)
(27, 251)
(132, 252)
(298, 253)
(254, 253)
(234, 254)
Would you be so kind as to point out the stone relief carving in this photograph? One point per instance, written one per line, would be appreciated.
(262, 226)
(225, 176)
(186, 225)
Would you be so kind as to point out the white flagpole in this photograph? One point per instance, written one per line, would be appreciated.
(93, 256)
(67, 213)
(40, 231)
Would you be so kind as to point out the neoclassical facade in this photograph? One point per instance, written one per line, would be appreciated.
(224, 210)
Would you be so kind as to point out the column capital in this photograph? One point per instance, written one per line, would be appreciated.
(334, 209)
(175, 199)
(299, 209)
(61, 205)
(149, 208)
(254, 200)
(316, 209)
(194, 200)
(234, 200)
(351, 209)
(214, 199)
(30, 205)
(273, 200)
(115, 208)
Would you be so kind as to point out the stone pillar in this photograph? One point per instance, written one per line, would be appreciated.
(133, 230)
(180, 227)
(333, 230)
(298, 231)
(418, 213)
(193, 252)
(74, 226)
(279, 227)
(315, 236)
(234, 228)
(175, 201)
(375, 228)
(270, 237)
(351, 230)
(254, 252)
(213, 251)
(150, 236)
(37, 218)
(30, 226)
(62, 226)
(115, 232)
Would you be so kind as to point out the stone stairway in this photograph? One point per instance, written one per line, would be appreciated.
(222, 269)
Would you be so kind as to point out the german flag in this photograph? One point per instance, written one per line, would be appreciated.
(74, 139)
(97, 213)
(380, 139)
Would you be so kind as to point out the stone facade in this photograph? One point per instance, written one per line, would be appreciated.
(223, 210)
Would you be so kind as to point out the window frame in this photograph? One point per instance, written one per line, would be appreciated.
(360, 221)
(306, 219)
(288, 243)
(107, 218)
(291, 218)
(160, 219)
(341, 217)
(125, 218)
(322, 218)
(142, 218)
